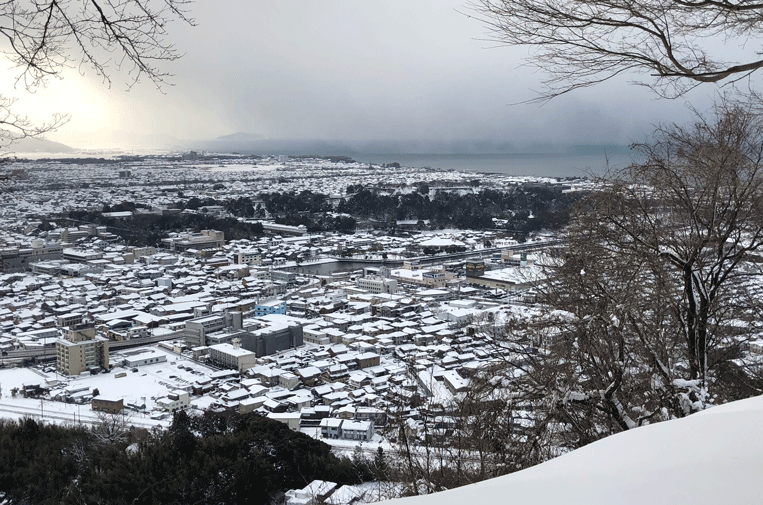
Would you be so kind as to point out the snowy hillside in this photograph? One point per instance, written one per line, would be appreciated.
(709, 458)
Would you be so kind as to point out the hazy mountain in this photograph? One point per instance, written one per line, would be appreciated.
(599, 149)
(31, 145)
(247, 143)
(241, 137)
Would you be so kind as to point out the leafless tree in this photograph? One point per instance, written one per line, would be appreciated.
(112, 427)
(445, 442)
(581, 43)
(41, 38)
(654, 296)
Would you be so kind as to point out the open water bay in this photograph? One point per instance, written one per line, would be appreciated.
(542, 165)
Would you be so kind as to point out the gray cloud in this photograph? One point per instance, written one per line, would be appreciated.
(339, 69)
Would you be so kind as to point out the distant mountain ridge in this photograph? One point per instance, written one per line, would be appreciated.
(32, 145)
(248, 143)
(255, 143)
(241, 137)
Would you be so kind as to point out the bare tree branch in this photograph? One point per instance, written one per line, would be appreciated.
(580, 44)
(41, 38)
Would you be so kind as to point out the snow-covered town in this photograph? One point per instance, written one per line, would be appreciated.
(283, 324)
(339, 253)
(360, 338)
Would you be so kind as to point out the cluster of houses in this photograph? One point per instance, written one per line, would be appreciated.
(289, 332)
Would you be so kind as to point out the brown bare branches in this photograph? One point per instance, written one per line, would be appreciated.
(14, 126)
(661, 265)
(43, 37)
(579, 44)
(655, 296)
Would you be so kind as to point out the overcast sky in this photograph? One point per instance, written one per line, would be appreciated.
(343, 69)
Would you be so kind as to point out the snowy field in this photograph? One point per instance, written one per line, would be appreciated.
(715, 457)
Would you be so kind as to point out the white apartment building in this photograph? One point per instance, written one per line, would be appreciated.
(232, 356)
(377, 285)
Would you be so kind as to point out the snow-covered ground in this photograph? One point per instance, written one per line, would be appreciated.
(715, 457)
(143, 387)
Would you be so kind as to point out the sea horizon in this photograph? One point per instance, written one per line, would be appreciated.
(555, 165)
(558, 165)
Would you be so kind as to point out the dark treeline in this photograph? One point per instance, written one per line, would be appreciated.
(214, 458)
(522, 210)
(313, 210)
(525, 209)
(149, 229)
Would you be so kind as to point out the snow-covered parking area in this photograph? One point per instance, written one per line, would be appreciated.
(136, 386)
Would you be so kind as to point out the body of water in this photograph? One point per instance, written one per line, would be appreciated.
(542, 165)
(329, 267)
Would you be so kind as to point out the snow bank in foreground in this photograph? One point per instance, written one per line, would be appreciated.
(708, 458)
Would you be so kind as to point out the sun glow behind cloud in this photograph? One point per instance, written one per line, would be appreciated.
(341, 70)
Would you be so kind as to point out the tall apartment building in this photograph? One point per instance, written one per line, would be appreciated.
(196, 329)
(81, 350)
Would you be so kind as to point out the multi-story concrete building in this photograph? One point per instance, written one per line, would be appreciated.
(81, 255)
(81, 350)
(206, 239)
(249, 258)
(197, 329)
(377, 285)
(276, 333)
(232, 356)
(69, 320)
(140, 252)
(283, 276)
(271, 307)
(19, 259)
